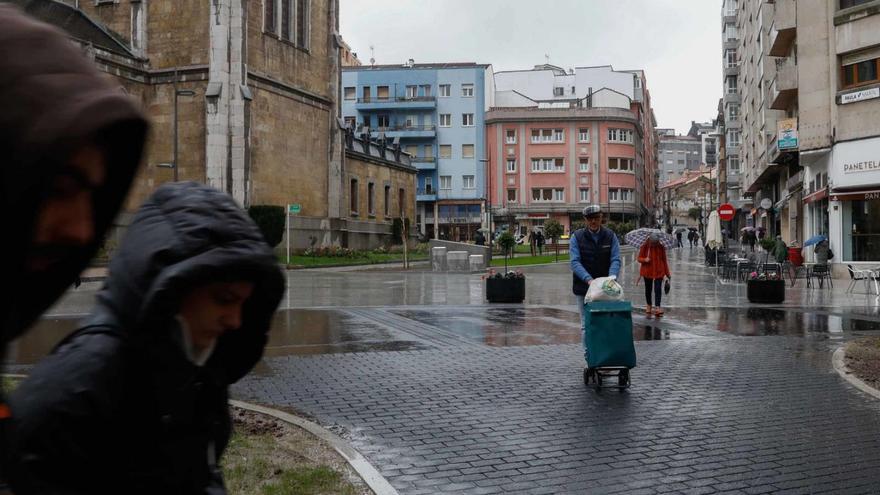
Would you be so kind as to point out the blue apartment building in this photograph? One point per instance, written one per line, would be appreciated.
(436, 113)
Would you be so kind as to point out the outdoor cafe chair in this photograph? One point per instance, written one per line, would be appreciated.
(822, 273)
(856, 276)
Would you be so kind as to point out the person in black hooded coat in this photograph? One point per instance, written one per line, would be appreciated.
(126, 404)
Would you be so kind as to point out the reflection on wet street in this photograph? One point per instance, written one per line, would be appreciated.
(327, 312)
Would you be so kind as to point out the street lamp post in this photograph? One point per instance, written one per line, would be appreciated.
(177, 93)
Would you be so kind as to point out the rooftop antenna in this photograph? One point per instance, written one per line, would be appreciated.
(547, 59)
(372, 56)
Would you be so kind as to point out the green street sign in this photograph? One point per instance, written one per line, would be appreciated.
(294, 208)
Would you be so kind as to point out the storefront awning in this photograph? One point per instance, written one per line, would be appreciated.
(863, 195)
(782, 202)
(816, 196)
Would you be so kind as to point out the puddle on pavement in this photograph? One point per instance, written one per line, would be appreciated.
(758, 321)
(293, 332)
(308, 332)
(514, 327)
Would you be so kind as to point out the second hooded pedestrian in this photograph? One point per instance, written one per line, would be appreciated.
(135, 400)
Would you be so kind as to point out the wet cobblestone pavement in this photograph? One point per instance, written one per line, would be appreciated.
(444, 393)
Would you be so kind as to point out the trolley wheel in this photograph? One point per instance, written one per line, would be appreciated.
(623, 379)
(598, 381)
(589, 376)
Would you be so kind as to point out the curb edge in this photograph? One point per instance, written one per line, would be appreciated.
(355, 459)
(843, 370)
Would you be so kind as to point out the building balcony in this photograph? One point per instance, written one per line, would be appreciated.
(784, 88)
(396, 103)
(784, 28)
(731, 70)
(424, 162)
(406, 131)
(426, 194)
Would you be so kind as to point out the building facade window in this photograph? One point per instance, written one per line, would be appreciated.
(540, 136)
(621, 165)
(730, 84)
(511, 166)
(429, 185)
(845, 4)
(303, 24)
(445, 90)
(584, 195)
(511, 195)
(353, 196)
(730, 57)
(445, 182)
(733, 137)
(269, 19)
(467, 182)
(620, 136)
(350, 93)
(445, 151)
(445, 119)
(467, 151)
(510, 136)
(548, 195)
(543, 165)
(467, 120)
(383, 121)
(411, 92)
(387, 201)
(861, 73)
(382, 92)
(351, 122)
(467, 90)
(621, 194)
(425, 90)
(558, 91)
(401, 202)
(583, 135)
(733, 164)
(733, 112)
(371, 199)
(584, 165)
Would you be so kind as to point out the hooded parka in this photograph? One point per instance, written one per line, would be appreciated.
(53, 100)
(117, 407)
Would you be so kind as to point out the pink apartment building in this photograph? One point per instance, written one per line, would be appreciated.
(550, 158)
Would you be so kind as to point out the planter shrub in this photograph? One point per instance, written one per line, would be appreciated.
(765, 291)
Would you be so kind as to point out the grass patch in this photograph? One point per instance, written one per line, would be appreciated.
(530, 260)
(266, 456)
(863, 358)
(302, 261)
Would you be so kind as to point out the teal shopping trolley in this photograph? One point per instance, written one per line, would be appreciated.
(609, 349)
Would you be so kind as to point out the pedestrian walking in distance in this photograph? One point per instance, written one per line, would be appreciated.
(654, 267)
(135, 400)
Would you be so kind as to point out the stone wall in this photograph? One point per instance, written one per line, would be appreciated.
(288, 151)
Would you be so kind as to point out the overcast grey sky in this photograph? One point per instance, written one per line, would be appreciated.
(676, 42)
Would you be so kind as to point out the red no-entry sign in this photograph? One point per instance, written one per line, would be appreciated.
(726, 212)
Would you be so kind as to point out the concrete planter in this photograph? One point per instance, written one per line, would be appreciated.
(505, 290)
(765, 291)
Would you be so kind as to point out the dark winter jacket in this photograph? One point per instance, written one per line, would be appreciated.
(117, 407)
(52, 101)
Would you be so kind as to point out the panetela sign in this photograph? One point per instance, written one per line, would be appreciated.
(857, 167)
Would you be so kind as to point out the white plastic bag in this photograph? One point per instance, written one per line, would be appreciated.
(604, 289)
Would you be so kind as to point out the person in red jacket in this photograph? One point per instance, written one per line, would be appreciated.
(652, 257)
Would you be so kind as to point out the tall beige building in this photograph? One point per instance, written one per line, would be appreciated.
(810, 88)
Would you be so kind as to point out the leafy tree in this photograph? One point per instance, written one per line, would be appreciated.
(553, 229)
(506, 242)
(270, 219)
